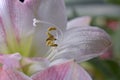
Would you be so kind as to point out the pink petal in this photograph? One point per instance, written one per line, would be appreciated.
(16, 21)
(8, 70)
(79, 22)
(108, 54)
(16, 16)
(65, 71)
(12, 75)
(10, 61)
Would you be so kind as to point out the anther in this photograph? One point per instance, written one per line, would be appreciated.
(50, 37)
(50, 40)
(51, 28)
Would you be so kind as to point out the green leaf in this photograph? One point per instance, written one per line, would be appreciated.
(116, 43)
(109, 68)
(114, 1)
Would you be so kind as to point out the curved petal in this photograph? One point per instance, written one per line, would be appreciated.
(66, 71)
(12, 75)
(108, 54)
(82, 43)
(79, 22)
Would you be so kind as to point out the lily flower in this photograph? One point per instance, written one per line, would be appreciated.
(37, 28)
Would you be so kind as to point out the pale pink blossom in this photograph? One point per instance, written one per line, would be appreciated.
(23, 28)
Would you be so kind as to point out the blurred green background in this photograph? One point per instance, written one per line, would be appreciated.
(106, 15)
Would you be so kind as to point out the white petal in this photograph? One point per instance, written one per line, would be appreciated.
(53, 11)
(79, 22)
(82, 43)
(58, 61)
(35, 64)
(50, 11)
(40, 36)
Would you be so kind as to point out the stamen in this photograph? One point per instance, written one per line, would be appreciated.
(51, 28)
(50, 36)
(50, 40)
